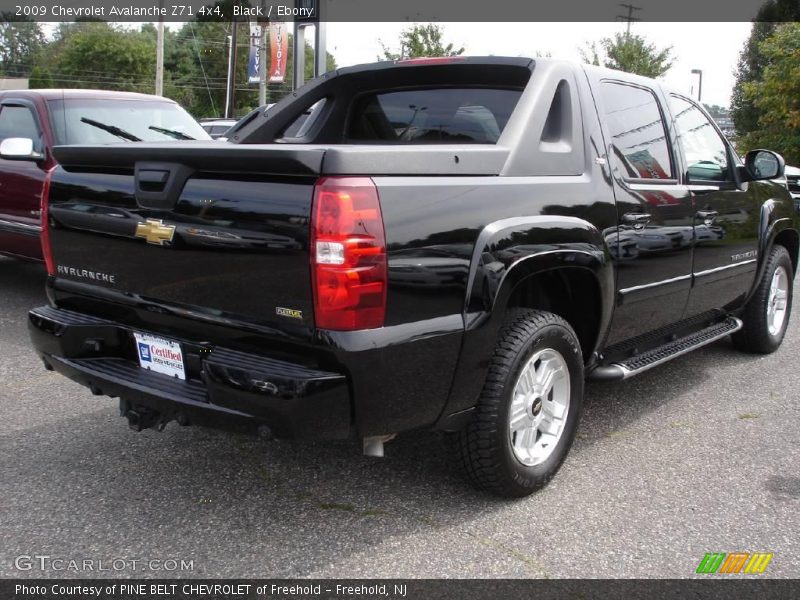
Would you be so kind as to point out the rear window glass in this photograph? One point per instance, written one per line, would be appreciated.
(432, 116)
(639, 138)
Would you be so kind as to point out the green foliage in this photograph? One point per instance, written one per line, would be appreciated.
(715, 110)
(629, 53)
(775, 96)
(40, 78)
(752, 61)
(20, 42)
(102, 56)
(196, 70)
(420, 41)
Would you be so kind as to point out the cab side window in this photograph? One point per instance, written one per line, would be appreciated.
(19, 122)
(638, 137)
(705, 151)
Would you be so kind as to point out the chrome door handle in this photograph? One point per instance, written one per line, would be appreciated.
(637, 220)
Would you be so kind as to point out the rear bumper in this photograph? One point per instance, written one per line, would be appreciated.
(224, 386)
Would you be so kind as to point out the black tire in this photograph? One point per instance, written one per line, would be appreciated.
(484, 447)
(755, 335)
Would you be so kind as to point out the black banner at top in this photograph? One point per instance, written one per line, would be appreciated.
(400, 10)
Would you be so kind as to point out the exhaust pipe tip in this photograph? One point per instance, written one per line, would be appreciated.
(373, 446)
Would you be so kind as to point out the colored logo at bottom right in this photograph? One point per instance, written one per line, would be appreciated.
(734, 562)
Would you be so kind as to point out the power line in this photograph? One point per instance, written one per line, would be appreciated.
(629, 18)
(202, 68)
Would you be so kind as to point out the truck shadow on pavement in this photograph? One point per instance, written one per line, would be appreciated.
(238, 506)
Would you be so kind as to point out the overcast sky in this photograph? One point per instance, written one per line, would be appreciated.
(711, 47)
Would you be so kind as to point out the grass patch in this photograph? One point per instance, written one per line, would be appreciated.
(750, 415)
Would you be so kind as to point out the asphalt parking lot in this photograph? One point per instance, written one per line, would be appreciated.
(700, 455)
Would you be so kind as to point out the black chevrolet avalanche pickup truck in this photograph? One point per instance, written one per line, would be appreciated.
(453, 244)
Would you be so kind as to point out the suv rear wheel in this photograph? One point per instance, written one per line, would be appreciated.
(527, 414)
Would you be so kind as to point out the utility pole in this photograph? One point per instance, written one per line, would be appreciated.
(160, 52)
(629, 18)
(231, 87)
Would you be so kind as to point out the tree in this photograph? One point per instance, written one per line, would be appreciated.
(20, 42)
(752, 62)
(196, 70)
(715, 110)
(40, 78)
(776, 95)
(421, 40)
(101, 56)
(630, 53)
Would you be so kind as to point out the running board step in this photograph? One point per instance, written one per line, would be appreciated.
(647, 360)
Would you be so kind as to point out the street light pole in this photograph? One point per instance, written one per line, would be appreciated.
(699, 72)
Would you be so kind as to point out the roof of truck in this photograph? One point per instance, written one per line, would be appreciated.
(57, 94)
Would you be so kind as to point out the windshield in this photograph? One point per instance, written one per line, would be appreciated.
(147, 120)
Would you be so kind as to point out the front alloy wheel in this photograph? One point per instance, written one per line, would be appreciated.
(766, 315)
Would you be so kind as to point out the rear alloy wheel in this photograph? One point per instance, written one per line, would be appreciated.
(539, 407)
(527, 414)
(766, 315)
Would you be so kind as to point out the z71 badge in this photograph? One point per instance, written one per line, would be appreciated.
(289, 312)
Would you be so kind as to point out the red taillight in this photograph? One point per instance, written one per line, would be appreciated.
(348, 254)
(44, 204)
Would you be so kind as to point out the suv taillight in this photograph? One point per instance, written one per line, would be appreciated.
(348, 254)
(44, 205)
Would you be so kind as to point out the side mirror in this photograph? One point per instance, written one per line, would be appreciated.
(764, 164)
(19, 149)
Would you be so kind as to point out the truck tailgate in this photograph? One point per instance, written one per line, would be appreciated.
(194, 225)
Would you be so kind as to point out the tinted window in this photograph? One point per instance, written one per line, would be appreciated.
(433, 116)
(18, 121)
(148, 120)
(704, 150)
(638, 136)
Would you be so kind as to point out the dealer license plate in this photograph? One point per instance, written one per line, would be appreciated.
(160, 355)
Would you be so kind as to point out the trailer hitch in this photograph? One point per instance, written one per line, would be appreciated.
(141, 417)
